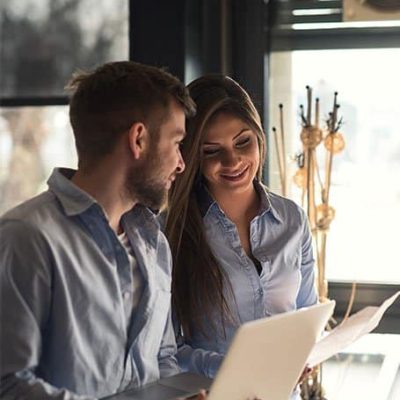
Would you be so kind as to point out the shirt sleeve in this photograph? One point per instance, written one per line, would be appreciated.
(197, 360)
(167, 361)
(25, 301)
(307, 295)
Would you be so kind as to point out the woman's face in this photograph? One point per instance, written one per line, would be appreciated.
(230, 155)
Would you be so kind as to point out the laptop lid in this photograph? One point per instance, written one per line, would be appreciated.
(267, 356)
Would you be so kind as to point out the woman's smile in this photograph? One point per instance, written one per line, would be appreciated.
(231, 155)
(235, 176)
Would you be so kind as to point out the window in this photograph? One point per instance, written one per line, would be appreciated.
(32, 141)
(43, 43)
(366, 176)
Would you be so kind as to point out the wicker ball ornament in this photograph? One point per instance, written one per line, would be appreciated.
(300, 178)
(334, 142)
(325, 215)
(311, 136)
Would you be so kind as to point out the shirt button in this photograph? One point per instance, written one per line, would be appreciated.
(126, 295)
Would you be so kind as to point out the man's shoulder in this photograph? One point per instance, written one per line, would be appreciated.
(38, 211)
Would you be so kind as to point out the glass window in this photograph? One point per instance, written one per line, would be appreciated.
(363, 238)
(367, 369)
(44, 41)
(33, 140)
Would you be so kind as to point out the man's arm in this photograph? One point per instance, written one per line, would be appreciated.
(25, 303)
(167, 355)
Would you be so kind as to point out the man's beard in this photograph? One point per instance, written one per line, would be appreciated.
(143, 183)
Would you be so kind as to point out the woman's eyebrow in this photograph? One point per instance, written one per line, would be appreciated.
(241, 131)
(236, 136)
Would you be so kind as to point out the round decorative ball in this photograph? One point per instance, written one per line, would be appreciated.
(311, 136)
(325, 215)
(334, 142)
(300, 178)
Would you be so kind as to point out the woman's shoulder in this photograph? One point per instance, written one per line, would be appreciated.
(283, 206)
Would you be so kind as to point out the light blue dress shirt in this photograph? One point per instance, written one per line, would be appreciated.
(66, 287)
(281, 242)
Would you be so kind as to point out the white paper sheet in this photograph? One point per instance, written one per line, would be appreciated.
(349, 331)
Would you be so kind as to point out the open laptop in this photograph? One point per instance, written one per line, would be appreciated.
(265, 361)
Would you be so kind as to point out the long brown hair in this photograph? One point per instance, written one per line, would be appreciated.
(198, 281)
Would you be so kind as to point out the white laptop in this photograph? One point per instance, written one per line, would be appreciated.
(265, 361)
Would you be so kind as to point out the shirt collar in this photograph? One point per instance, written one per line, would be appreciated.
(266, 204)
(74, 200)
(207, 202)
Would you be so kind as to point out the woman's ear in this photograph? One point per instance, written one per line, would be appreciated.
(138, 139)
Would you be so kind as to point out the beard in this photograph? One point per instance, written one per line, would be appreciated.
(144, 185)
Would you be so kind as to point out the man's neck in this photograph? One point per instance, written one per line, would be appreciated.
(108, 189)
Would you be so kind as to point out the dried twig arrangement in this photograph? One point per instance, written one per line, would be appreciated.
(280, 151)
(320, 215)
(308, 176)
(315, 194)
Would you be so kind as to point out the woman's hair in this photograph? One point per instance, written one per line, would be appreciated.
(197, 280)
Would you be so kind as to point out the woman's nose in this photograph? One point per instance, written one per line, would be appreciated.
(229, 158)
(181, 164)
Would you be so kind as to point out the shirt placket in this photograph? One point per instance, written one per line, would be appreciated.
(247, 264)
(113, 250)
(260, 293)
(125, 276)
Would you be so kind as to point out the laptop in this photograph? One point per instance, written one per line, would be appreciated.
(265, 360)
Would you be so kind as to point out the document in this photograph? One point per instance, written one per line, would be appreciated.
(349, 331)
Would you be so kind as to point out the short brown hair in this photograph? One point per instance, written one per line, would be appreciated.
(107, 101)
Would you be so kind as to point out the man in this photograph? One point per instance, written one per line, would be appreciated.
(84, 268)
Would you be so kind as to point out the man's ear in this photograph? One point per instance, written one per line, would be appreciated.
(138, 139)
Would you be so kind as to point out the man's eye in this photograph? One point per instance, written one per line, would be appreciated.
(243, 142)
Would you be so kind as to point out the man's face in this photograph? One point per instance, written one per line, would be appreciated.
(149, 183)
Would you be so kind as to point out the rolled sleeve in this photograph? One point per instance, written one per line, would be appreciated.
(204, 362)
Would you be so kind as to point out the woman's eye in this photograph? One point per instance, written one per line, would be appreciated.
(243, 142)
(210, 152)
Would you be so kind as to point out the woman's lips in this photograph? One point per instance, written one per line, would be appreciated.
(237, 176)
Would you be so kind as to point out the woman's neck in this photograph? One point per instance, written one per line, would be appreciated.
(239, 207)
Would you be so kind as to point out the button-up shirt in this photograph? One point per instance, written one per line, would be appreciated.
(64, 279)
(281, 241)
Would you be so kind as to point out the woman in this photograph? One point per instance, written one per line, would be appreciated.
(239, 251)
